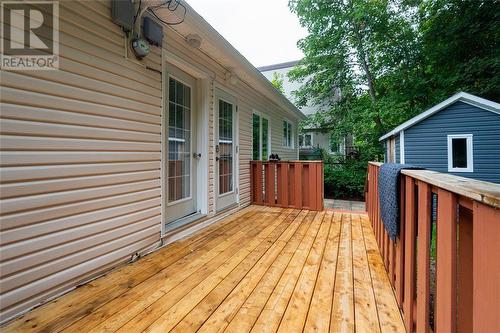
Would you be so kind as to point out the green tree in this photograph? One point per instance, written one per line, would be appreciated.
(461, 47)
(372, 64)
(277, 82)
(350, 45)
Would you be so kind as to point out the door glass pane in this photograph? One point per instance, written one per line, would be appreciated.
(256, 137)
(459, 149)
(225, 147)
(265, 139)
(179, 141)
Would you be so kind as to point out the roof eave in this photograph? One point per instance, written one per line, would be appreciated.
(220, 42)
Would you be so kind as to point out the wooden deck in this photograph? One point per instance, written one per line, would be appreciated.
(261, 270)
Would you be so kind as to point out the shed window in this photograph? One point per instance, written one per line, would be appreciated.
(460, 157)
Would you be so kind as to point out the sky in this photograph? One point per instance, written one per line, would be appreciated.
(264, 31)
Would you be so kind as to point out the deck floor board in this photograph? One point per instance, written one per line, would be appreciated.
(261, 270)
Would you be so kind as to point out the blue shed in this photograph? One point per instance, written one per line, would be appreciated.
(460, 135)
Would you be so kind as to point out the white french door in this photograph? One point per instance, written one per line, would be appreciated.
(225, 149)
(181, 153)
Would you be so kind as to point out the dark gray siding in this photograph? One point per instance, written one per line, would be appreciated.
(426, 143)
(397, 156)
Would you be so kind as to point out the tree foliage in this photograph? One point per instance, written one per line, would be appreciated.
(277, 81)
(372, 64)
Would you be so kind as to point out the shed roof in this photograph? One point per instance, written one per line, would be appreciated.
(459, 97)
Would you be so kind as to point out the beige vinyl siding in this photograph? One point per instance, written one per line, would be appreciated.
(80, 161)
(80, 156)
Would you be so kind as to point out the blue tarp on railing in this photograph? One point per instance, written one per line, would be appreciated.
(389, 195)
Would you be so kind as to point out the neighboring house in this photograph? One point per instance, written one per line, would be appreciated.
(310, 138)
(460, 135)
(110, 156)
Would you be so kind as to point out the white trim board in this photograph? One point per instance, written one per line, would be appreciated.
(402, 147)
(462, 97)
(222, 93)
(470, 154)
(203, 84)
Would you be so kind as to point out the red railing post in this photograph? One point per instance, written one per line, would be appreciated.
(297, 185)
(410, 233)
(446, 299)
(464, 272)
(270, 174)
(486, 268)
(399, 248)
(282, 184)
(257, 182)
(423, 257)
(316, 186)
(322, 185)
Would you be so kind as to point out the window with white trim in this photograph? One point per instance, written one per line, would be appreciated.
(305, 140)
(460, 155)
(287, 134)
(261, 137)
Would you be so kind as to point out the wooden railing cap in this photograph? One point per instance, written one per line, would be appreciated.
(485, 192)
(376, 163)
(285, 161)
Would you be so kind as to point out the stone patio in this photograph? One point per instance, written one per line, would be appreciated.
(348, 205)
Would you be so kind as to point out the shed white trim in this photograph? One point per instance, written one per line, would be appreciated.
(470, 156)
(462, 97)
(402, 147)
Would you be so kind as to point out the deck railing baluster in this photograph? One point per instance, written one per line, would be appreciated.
(409, 252)
(423, 257)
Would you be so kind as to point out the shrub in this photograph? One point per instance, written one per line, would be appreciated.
(344, 178)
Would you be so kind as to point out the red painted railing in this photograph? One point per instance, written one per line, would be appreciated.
(296, 184)
(465, 287)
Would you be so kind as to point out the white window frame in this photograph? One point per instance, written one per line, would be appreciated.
(262, 116)
(289, 145)
(470, 155)
(402, 147)
(304, 140)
